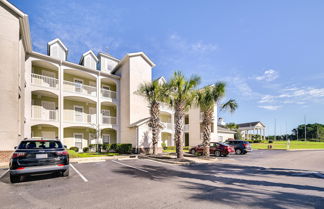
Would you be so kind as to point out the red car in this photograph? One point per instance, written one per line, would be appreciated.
(216, 148)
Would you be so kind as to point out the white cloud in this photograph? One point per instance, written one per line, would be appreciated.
(186, 46)
(269, 107)
(268, 75)
(295, 96)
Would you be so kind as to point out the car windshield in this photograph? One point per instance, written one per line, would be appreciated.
(223, 144)
(40, 145)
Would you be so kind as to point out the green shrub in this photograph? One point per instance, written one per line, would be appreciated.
(85, 149)
(186, 148)
(75, 149)
(92, 146)
(106, 147)
(270, 141)
(122, 148)
(113, 147)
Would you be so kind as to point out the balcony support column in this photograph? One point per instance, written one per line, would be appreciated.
(61, 102)
(98, 108)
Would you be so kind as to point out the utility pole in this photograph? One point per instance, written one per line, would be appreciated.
(305, 127)
(275, 130)
(297, 133)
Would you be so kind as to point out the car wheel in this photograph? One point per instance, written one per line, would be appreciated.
(193, 151)
(217, 153)
(14, 178)
(225, 155)
(65, 173)
(238, 151)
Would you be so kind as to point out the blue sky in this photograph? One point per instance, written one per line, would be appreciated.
(270, 53)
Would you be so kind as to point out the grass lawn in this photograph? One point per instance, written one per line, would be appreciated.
(74, 154)
(293, 145)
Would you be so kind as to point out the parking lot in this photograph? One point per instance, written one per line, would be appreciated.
(260, 179)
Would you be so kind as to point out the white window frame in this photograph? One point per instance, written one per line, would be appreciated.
(74, 116)
(108, 137)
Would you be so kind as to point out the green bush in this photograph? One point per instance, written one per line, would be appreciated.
(92, 146)
(186, 147)
(85, 149)
(122, 148)
(106, 147)
(270, 141)
(72, 154)
(75, 149)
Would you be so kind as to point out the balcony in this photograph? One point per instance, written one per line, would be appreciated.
(44, 81)
(80, 88)
(168, 125)
(108, 94)
(166, 108)
(40, 113)
(79, 117)
(109, 120)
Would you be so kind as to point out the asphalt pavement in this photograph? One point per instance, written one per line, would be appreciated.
(260, 179)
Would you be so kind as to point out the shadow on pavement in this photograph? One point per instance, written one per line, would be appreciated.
(259, 193)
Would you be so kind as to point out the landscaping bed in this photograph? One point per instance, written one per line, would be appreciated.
(74, 154)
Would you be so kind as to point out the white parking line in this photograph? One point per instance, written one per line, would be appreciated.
(163, 163)
(80, 174)
(130, 166)
(4, 173)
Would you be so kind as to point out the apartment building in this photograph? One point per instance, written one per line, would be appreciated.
(90, 102)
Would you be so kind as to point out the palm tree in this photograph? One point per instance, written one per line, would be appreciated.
(182, 96)
(207, 98)
(155, 93)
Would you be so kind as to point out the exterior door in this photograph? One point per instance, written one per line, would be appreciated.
(78, 113)
(78, 140)
(106, 138)
(78, 85)
(92, 115)
(48, 110)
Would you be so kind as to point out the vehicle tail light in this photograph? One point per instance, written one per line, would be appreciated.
(60, 164)
(20, 168)
(62, 153)
(18, 154)
(245, 145)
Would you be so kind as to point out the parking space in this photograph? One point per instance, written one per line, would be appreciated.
(248, 181)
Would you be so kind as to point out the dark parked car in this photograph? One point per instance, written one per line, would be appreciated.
(240, 146)
(218, 149)
(38, 156)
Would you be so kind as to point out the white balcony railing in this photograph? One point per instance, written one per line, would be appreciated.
(40, 113)
(168, 125)
(44, 81)
(186, 128)
(165, 107)
(108, 94)
(78, 117)
(109, 120)
(80, 88)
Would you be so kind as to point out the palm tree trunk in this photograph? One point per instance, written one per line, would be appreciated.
(179, 123)
(155, 125)
(206, 126)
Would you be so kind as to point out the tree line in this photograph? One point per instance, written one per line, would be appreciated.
(181, 93)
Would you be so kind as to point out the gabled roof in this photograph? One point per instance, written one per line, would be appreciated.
(56, 41)
(250, 124)
(127, 56)
(161, 80)
(139, 122)
(86, 53)
(108, 56)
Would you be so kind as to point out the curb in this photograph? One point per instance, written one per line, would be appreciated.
(101, 159)
(167, 161)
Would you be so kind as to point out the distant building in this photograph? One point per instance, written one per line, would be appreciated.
(252, 128)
